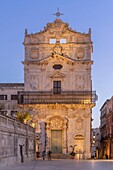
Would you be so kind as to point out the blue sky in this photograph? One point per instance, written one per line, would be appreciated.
(17, 15)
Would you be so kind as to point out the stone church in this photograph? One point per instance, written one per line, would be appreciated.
(57, 89)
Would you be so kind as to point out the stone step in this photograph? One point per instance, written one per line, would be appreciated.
(59, 156)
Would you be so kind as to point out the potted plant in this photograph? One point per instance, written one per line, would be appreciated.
(72, 155)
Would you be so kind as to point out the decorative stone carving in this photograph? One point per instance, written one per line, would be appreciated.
(80, 53)
(79, 137)
(79, 123)
(35, 54)
(56, 123)
(58, 75)
(58, 49)
(58, 27)
(80, 40)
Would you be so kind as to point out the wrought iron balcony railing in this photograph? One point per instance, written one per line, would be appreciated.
(65, 97)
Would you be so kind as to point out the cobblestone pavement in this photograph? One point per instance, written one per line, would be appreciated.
(62, 165)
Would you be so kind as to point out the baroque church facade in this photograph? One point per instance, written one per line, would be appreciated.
(57, 88)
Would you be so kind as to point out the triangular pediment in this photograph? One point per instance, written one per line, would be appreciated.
(57, 75)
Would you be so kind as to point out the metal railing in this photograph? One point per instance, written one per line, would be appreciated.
(65, 97)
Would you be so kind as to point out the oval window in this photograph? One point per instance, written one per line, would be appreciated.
(57, 66)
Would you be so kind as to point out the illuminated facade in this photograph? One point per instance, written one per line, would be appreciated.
(58, 88)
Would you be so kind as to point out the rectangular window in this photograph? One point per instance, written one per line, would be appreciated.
(13, 113)
(56, 87)
(3, 97)
(14, 97)
(63, 41)
(52, 40)
(3, 112)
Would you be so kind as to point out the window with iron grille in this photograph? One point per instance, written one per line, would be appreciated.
(56, 87)
(3, 97)
(14, 97)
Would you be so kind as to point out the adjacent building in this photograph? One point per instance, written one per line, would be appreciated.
(57, 89)
(95, 143)
(106, 129)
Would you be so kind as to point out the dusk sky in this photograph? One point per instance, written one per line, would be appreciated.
(17, 15)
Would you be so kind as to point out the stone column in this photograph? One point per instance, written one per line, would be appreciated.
(48, 137)
(64, 139)
(42, 137)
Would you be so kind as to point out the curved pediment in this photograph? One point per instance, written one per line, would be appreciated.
(79, 136)
(57, 57)
(57, 25)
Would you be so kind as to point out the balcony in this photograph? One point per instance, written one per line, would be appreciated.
(65, 97)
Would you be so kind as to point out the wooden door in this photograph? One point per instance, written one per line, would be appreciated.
(56, 141)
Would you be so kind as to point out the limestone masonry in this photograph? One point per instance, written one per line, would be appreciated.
(57, 89)
(17, 141)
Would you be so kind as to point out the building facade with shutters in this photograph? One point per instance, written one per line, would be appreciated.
(58, 88)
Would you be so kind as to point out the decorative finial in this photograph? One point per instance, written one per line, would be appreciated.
(90, 30)
(25, 31)
(58, 13)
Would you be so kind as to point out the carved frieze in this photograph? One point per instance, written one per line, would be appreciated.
(56, 122)
(57, 74)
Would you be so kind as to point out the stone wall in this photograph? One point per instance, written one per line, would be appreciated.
(17, 141)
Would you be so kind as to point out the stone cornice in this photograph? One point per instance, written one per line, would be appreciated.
(46, 62)
(56, 106)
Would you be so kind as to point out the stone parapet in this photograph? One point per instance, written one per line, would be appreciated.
(17, 141)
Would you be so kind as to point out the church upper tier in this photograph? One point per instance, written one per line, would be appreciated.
(58, 38)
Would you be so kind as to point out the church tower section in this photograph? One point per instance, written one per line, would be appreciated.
(58, 88)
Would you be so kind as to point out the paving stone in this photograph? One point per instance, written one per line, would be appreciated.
(62, 165)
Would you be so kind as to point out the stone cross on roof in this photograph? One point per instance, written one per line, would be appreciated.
(58, 13)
